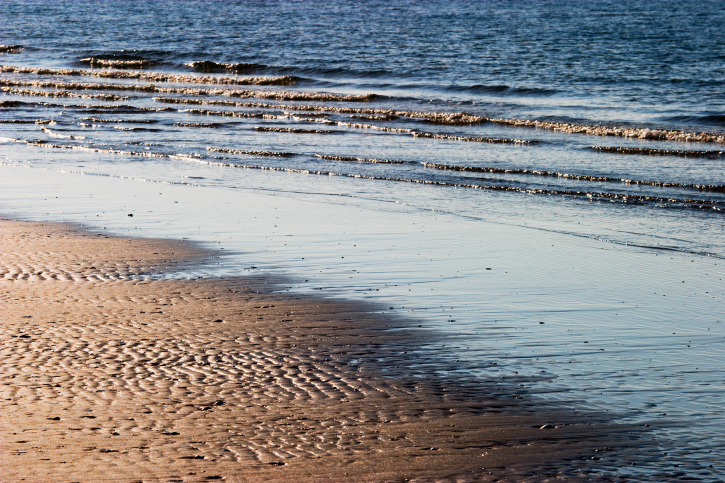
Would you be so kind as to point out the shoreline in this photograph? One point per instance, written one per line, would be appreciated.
(108, 373)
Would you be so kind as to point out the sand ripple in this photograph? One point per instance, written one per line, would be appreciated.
(107, 372)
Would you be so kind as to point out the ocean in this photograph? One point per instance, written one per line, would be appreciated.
(540, 185)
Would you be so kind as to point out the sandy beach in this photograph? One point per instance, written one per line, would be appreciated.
(108, 375)
(307, 241)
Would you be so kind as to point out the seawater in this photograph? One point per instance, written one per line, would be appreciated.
(542, 183)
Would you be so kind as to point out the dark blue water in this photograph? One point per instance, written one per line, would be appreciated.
(576, 149)
(601, 61)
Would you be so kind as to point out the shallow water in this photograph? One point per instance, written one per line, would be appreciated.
(542, 182)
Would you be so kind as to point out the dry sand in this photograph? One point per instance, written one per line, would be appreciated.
(110, 376)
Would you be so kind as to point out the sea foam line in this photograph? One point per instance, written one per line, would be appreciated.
(117, 63)
(658, 152)
(152, 76)
(28, 92)
(196, 91)
(463, 118)
(197, 158)
(578, 177)
(443, 118)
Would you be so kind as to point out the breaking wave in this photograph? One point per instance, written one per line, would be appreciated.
(252, 153)
(208, 67)
(54, 134)
(628, 198)
(277, 95)
(617, 131)
(197, 124)
(354, 159)
(10, 49)
(659, 152)
(295, 130)
(28, 92)
(464, 118)
(578, 177)
(503, 90)
(380, 114)
(117, 63)
(152, 76)
(128, 121)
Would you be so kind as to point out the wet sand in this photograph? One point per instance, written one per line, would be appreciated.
(109, 376)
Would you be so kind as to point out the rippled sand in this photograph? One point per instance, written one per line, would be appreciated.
(107, 374)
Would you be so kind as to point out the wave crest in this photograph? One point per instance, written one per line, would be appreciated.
(10, 49)
(208, 67)
(117, 63)
(152, 76)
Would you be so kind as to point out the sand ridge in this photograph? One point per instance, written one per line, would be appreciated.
(108, 375)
